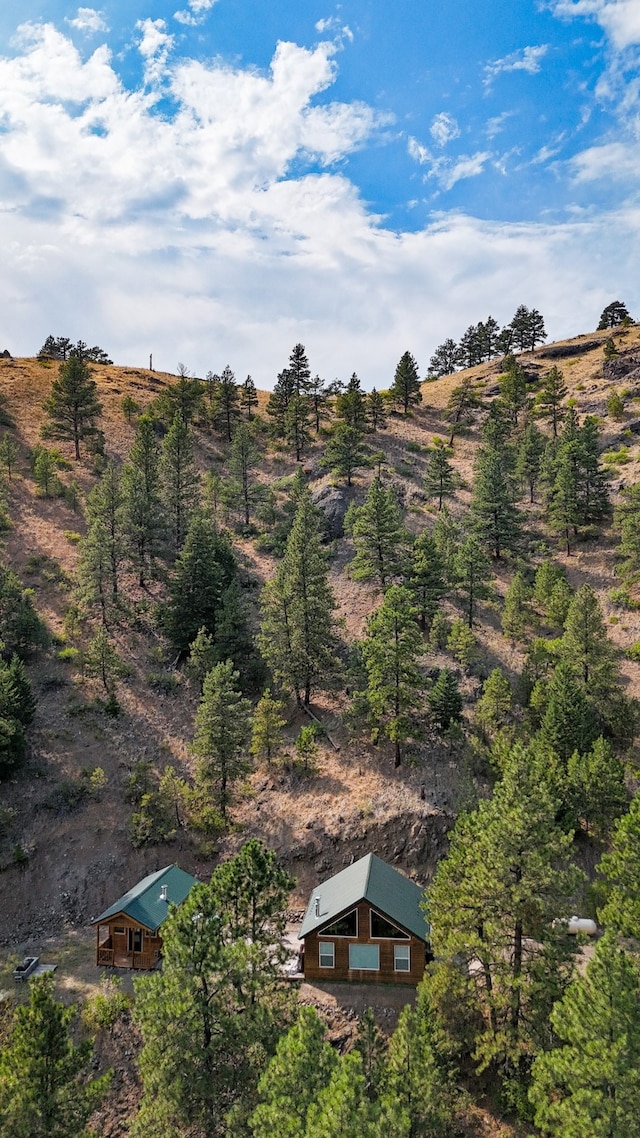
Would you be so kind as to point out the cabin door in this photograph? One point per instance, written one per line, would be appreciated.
(119, 941)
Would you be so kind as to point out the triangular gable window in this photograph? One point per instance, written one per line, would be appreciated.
(344, 926)
(383, 929)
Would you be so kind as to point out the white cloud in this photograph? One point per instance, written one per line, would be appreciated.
(155, 47)
(195, 236)
(495, 125)
(444, 129)
(527, 59)
(195, 13)
(417, 151)
(89, 20)
(620, 19)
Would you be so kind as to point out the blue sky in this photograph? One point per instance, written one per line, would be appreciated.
(215, 180)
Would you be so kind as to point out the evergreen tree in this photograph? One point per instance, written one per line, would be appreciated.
(342, 1109)
(390, 651)
(440, 476)
(502, 961)
(547, 576)
(472, 571)
(463, 401)
(462, 644)
(565, 513)
(46, 1086)
(203, 656)
(204, 570)
(299, 370)
(73, 406)
(45, 465)
(513, 390)
(597, 787)
(345, 451)
(551, 396)
(21, 629)
(494, 514)
(620, 868)
(278, 401)
(471, 346)
(297, 635)
(102, 660)
(614, 314)
(494, 706)
(9, 451)
(105, 505)
(375, 411)
(319, 394)
(144, 524)
(529, 460)
(418, 1098)
(372, 1046)
(445, 701)
(585, 644)
(594, 497)
(222, 731)
(405, 389)
(446, 359)
(378, 535)
(516, 612)
(212, 1017)
(301, 1067)
(627, 523)
(94, 569)
(180, 480)
(559, 601)
(226, 409)
(351, 405)
(267, 727)
(446, 536)
(426, 578)
(248, 397)
(243, 461)
(297, 430)
(569, 723)
(588, 1084)
(17, 710)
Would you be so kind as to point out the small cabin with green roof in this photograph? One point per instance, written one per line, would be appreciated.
(128, 932)
(366, 924)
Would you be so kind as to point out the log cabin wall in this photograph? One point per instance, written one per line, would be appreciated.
(127, 944)
(387, 974)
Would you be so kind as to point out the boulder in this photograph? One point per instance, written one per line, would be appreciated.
(625, 366)
(333, 505)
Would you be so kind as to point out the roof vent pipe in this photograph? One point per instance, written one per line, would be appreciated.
(316, 906)
(163, 893)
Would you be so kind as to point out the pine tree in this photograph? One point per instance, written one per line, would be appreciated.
(472, 573)
(375, 411)
(299, 370)
(301, 1067)
(462, 644)
(351, 405)
(378, 535)
(585, 644)
(569, 723)
(440, 476)
(226, 409)
(418, 1098)
(614, 314)
(463, 401)
(8, 453)
(565, 512)
(180, 480)
(144, 524)
(268, 722)
(248, 397)
(203, 571)
(203, 656)
(588, 1084)
(446, 535)
(445, 701)
(73, 406)
(405, 389)
(102, 660)
(494, 706)
(17, 710)
(627, 523)
(494, 514)
(46, 1088)
(346, 451)
(597, 787)
(371, 1044)
(390, 651)
(319, 394)
(516, 612)
(620, 868)
(551, 396)
(342, 1109)
(297, 429)
(278, 402)
(502, 961)
(242, 463)
(105, 504)
(529, 460)
(297, 635)
(95, 569)
(513, 390)
(446, 359)
(426, 578)
(222, 731)
(45, 465)
(547, 576)
(594, 496)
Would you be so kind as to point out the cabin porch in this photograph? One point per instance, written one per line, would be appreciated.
(123, 945)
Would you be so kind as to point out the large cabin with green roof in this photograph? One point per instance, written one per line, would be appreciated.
(366, 924)
(128, 932)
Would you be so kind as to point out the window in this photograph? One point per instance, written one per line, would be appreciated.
(401, 958)
(119, 929)
(382, 929)
(135, 940)
(344, 926)
(365, 957)
(327, 954)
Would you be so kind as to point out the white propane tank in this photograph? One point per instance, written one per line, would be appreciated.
(582, 925)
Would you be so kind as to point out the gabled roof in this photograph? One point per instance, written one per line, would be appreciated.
(372, 880)
(143, 902)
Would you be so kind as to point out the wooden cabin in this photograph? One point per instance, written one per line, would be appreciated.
(128, 932)
(366, 924)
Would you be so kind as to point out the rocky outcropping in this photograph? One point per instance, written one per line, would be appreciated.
(333, 505)
(625, 366)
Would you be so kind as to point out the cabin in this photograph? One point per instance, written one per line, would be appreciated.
(366, 924)
(128, 932)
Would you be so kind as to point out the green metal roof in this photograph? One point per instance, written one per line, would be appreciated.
(143, 902)
(372, 880)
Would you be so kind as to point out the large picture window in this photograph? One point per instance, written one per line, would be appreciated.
(344, 926)
(327, 952)
(382, 929)
(364, 956)
(402, 958)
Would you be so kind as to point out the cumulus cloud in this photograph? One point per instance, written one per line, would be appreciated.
(444, 128)
(620, 19)
(89, 20)
(195, 13)
(155, 46)
(527, 59)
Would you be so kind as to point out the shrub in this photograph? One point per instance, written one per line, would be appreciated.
(106, 1006)
(615, 405)
(634, 651)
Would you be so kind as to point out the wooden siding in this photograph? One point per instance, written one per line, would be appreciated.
(115, 950)
(341, 971)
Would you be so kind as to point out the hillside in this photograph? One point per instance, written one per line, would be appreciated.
(79, 853)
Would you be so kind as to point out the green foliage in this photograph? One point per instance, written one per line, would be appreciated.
(568, 723)
(107, 1005)
(45, 465)
(494, 706)
(588, 1084)
(627, 523)
(472, 574)
(21, 629)
(445, 701)
(495, 518)
(268, 721)
(346, 451)
(297, 635)
(222, 731)
(597, 787)
(463, 401)
(615, 406)
(9, 451)
(378, 535)
(516, 613)
(301, 1067)
(405, 389)
(129, 407)
(102, 661)
(143, 513)
(242, 463)
(439, 633)
(620, 868)
(613, 314)
(529, 457)
(205, 568)
(307, 748)
(390, 651)
(550, 398)
(440, 478)
(17, 710)
(547, 576)
(73, 406)
(419, 1094)
(179, 480)
(46, 1090)
(426, 578)
(342, 1108)
(462, 644)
